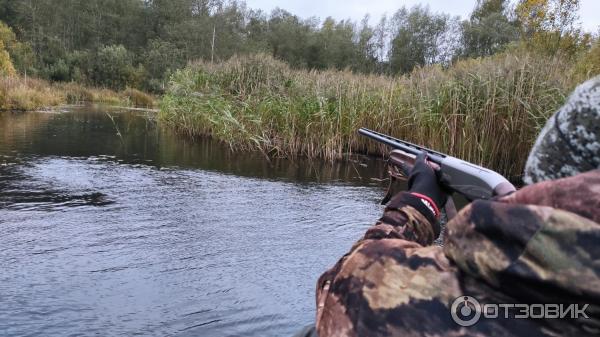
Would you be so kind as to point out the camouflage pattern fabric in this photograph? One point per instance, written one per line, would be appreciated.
(570, 142)
(538, 245)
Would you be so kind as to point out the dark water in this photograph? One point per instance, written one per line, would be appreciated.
(114, 226)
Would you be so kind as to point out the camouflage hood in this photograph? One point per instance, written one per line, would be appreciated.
(570, 142)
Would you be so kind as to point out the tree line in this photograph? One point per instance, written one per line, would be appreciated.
(140, 43)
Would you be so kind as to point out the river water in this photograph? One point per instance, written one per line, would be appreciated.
(111, 225)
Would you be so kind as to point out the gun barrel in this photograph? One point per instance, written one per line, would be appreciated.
(405, 146)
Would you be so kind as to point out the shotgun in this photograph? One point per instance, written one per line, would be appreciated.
(470, 180)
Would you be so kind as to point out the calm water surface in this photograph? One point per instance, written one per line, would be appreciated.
(110, 225)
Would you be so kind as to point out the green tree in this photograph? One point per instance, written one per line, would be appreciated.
(59, 71)
(161, 59)
(333, 45)
(366, 49)
(257, 30)
(381, 37)
(289, 40)
(550, 26)
(417, 38)
(488, 29)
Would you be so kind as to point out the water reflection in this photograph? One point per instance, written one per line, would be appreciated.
(132, 137)
(114, 226)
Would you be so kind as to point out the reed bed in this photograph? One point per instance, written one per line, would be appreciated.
(19, 93)
(27, 94)
(486, 111)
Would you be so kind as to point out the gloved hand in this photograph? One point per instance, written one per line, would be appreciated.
(424, 182)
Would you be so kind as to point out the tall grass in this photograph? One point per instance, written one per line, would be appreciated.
(487, 111)
(138, 98)
(19, 93)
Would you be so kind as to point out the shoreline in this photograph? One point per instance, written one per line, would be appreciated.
(27, 94)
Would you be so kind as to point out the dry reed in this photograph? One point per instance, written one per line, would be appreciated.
(487, 111)
(20, 93)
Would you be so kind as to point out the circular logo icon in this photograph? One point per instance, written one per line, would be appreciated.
(465, 310)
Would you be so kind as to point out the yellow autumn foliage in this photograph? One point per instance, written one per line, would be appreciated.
(6, 66)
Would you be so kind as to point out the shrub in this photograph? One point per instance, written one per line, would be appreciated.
(114, 68)
(59, 71)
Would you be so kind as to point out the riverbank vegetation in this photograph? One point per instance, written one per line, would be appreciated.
(18, 91)
(21, 94)
(484, 103)
(485, 110)
(139, 44)
(478, 88)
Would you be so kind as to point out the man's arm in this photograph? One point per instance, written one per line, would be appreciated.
(409, 222)
(413, 215)
(410, 216)
(405, 218)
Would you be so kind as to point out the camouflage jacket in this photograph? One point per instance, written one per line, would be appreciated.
(540, 245)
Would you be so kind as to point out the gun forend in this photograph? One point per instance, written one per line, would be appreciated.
(473, 181)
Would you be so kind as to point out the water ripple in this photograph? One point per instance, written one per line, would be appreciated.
(152, 235)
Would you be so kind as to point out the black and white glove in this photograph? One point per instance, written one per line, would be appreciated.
(423, 182)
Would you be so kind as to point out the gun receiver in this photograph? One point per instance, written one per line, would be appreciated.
(470, 180)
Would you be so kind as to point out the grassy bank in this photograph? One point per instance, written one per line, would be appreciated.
(19, 93)
(487, 111)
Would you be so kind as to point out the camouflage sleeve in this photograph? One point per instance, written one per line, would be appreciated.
(535, 233)
(538, 245)
(406, 226)
(406, 217)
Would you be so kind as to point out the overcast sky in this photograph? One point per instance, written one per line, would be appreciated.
(356, 9)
